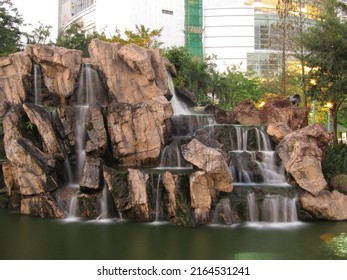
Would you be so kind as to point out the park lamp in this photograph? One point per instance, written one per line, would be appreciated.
(330, 105)
(261, 105)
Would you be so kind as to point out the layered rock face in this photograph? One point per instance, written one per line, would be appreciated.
(111, 140)
(131, 129)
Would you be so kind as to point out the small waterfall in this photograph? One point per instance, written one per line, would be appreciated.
(252, 207)
(171, 155)
(274, 209)
(179, 107)
(73, 208)
(252, 159)
(37, 84)
(277, 208)
(157, 200)
(103, 204)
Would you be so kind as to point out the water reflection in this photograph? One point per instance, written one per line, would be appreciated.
(34, 238)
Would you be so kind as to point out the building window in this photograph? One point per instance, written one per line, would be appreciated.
(167, 12)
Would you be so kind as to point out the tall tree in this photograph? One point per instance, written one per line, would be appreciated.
(284, 8)
(10, 23)
(326, 43)
(304, 14)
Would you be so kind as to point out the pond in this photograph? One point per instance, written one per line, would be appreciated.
(24, 237)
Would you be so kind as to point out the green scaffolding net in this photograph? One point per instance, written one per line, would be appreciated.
(193, 27)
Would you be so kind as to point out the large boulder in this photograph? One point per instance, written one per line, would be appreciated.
(15, 82)
(35, 170)
(140, 206)
(91, 178)
(211, 161)
(128, 71)
(327, 205)
(283, 119)
(245, 113)
(42, 205)
(60, 67)
(202, 193)
(301, 152)
(41, 119)
(134, 134)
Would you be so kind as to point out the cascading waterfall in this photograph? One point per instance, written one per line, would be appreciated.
(85, 97)
(89, 86)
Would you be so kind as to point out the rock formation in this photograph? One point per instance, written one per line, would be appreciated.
(327, 205)
(302, 154)
(111, 134)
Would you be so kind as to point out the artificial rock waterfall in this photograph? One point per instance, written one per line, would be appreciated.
(97, 138)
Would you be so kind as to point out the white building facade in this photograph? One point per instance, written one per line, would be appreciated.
(235, 32)
(107, 16)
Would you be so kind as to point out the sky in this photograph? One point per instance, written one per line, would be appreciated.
(35, 11)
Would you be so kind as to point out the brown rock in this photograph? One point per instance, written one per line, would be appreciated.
(128, 71)
(246, 114)
(64, 120)
(96, 143)
(211, 161)
(327, 205)
(170, 183)
(60, 67)
(202, 193)
(283, 120)
(134, 134)
(35, 170)
(15, 72)
(138, 59)
(140, 207)
(41, 205)
(91, 174)
(301, 153)
(41, 119)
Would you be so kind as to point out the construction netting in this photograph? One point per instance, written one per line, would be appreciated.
(193, 27)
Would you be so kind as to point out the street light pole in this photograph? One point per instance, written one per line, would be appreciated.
(329, 105)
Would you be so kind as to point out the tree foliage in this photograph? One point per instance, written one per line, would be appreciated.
(76, 38)
(142, 36)
(10, 23)
(326, 43)
(39, 35)
(210, 86)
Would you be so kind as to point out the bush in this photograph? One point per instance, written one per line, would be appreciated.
(335, 161)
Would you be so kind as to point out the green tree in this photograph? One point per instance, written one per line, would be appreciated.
(181, 59)
(326, 43)
(76, 38)
(10, 23)
(39, 35)
(239, 86)
(142, 36)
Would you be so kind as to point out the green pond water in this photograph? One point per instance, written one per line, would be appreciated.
(24, 237)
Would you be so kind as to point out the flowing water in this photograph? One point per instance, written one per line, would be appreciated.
(37, 84)
(271, 230)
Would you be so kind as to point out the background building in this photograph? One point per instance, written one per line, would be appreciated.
(236, 32)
